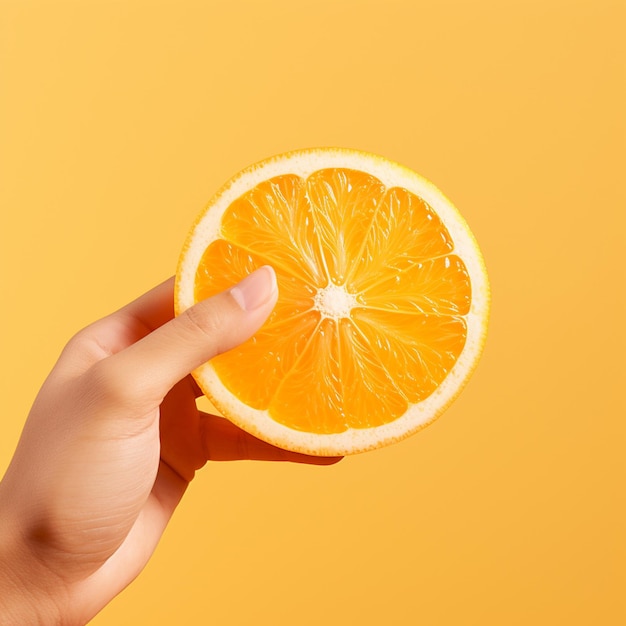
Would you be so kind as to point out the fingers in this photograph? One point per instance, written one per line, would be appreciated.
(223, 441)
(149, 368)
(117, 331)
(154, 308)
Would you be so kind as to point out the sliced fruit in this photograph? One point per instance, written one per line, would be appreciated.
(383, 300)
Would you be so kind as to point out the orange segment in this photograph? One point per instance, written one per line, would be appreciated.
(372, 397)
(274, 221)
(344, 204)
(417, 351)
(255, 370)
(404, 231)
(439, 285)
(310, 396)
(223, 264)
(382, 308)
(338, 383)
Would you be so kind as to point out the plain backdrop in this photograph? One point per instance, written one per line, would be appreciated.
(119, 119)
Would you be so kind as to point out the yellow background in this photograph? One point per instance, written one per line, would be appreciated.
(120, 119)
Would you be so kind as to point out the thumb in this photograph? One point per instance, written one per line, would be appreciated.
(148, 369)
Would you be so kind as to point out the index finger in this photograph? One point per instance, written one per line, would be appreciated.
(223, 441)
(154, 308)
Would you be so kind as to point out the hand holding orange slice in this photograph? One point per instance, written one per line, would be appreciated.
(382, 309)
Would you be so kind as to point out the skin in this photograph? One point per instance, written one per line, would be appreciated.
(112, 441)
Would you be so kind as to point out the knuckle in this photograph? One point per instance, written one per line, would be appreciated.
(80, 342)
(210, 321)
(110, 384)
(84, 347)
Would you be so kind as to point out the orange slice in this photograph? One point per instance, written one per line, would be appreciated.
(382, 309)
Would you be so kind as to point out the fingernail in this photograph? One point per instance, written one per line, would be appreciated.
(255, 289)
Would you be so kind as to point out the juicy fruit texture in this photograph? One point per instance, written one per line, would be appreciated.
(370, 315)
(373, 309)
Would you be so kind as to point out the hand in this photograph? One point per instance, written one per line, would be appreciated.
(112, 441)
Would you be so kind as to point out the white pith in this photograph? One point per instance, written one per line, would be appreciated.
(335, 301)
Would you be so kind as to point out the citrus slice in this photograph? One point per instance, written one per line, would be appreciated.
(382, 308)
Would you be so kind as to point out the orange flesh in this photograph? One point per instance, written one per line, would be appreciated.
(385, 334)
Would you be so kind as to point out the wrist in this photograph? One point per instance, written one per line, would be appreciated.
(29, 593)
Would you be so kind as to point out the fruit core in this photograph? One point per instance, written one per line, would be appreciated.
(334, 301)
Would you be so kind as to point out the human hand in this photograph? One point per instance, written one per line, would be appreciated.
(111, 443)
